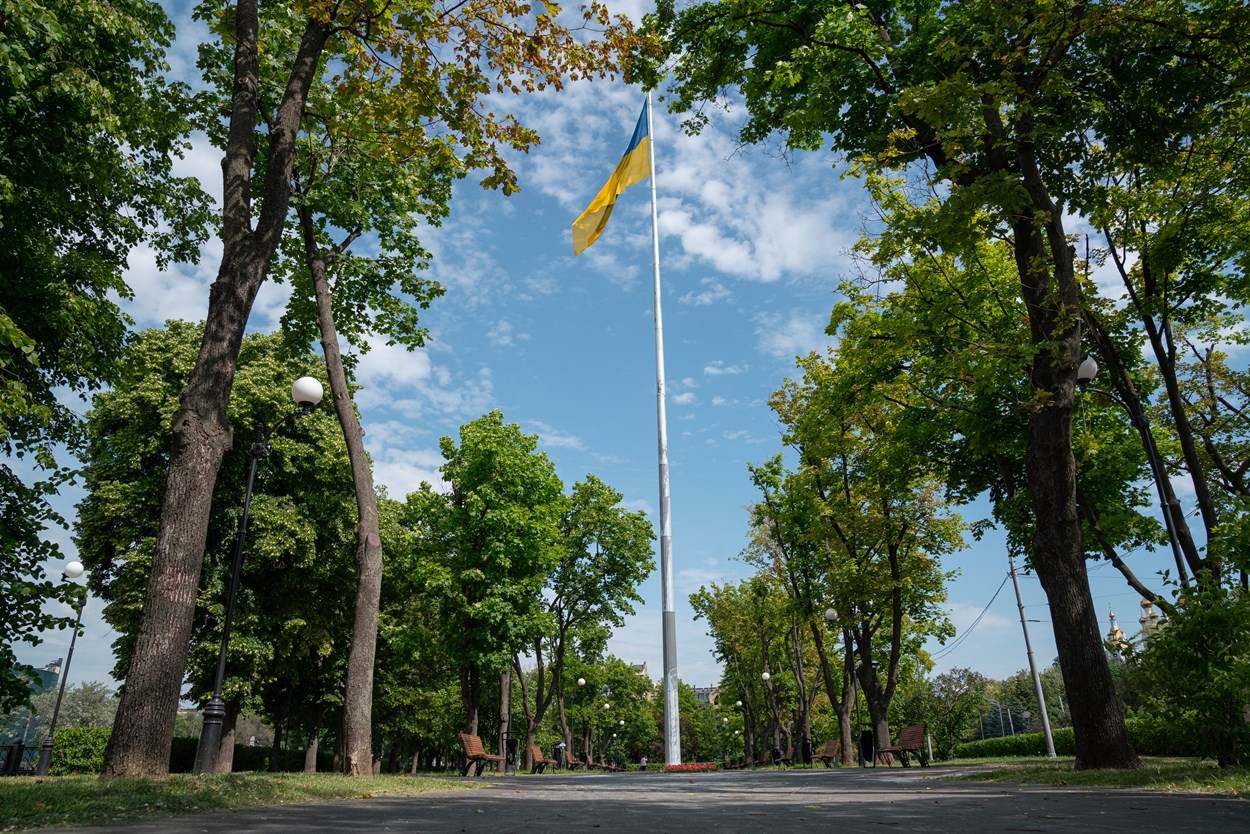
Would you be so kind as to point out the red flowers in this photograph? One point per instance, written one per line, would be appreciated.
(704, 767)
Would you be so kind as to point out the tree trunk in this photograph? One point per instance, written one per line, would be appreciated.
(143, 729)
(1053, 304)
(310, 752)
(276, 764)
(358, 697)
(471, 696)
(225, 750)
(505, 711)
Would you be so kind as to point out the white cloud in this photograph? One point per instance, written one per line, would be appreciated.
(387, 364)
(402, 471)
(501, 335)
(684, 399)
(719, 368)
(796, 334)
(554, 438)
(714, 291)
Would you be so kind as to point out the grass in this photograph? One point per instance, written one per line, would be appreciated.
(28, 803)
(1170, 775)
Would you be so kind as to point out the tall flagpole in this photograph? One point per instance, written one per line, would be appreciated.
(672, 726)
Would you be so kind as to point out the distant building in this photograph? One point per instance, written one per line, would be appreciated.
(640, 669)
(707, 695)
(1115, 640)
(41, 680)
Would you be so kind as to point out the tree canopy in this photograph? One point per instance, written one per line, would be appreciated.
(89, 130)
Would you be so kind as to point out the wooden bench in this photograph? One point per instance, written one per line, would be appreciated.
(538, 762)
(570, 762)
(475, 754)
(606, 765)
(910, 740)
(831, 752)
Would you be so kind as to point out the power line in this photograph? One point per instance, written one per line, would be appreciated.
(945, 650)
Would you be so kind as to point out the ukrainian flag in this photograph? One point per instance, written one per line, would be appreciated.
(634, 167)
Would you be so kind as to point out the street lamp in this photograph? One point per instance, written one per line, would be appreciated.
(72, 570)
(1085, 374)
(306, 392)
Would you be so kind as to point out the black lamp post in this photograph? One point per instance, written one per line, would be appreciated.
(72, 570)
(1085, 374)
(306, 392)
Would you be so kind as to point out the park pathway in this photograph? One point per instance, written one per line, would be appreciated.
(847, 800)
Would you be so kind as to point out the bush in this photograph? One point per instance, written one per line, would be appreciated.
(79, 750)
(1194, 671)
(1153, 735)
(1023, 744)
(182, 755)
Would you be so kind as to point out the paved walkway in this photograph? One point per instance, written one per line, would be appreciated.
(808, 801)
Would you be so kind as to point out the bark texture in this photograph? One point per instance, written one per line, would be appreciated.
(358, 695)
(1044, 262)
(143, 730)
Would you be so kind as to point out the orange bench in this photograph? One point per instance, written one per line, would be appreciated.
(539, 762)
(475, 754)
(570, 762)
(910, 740)
(830, 752)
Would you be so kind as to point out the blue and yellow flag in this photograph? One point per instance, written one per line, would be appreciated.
(634, 167)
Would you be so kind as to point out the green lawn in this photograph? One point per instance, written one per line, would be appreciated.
(28, 803)
(1158, 774)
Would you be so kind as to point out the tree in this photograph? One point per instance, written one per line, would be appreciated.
(749, 627)
(482, 47)
(1169, 205)
(346, 187)
(983, 100)
(291, 618)
(881, 522)
(606, 555)
(489, 544)
(89, 130)
(948, 703)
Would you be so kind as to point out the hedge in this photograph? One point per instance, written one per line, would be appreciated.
(1150, 737)
(81, 750)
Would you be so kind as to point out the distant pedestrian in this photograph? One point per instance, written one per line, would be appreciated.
(642, 763)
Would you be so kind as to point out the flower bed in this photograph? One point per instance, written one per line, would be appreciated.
(704, 767)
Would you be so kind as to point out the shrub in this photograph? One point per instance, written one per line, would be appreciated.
(1022, 744)
(79, 750)
(1194, 671)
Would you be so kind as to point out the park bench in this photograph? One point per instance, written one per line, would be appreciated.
(590, 763)
(538, 762)
(910, 740)
(830, 752)
(475, 754)
(606, 765)
(570, 762)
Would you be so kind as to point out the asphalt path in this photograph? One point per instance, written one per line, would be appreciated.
(797, 800)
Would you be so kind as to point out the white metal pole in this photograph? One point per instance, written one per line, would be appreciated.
(672, 727)
(1037, 679)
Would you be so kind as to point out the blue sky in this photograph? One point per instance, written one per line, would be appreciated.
(753, 246)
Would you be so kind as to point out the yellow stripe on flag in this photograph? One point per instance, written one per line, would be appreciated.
(634, 167)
